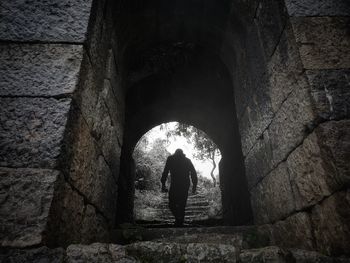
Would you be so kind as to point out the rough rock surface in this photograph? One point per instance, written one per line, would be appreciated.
(295, 231)
(327, 50)
(268, 254)
(318, 7)
(330, 90)
(35, 255)
(174, 252)
(285, 70)
(54, 20)
(39, 69)
(98, 252)
(308, 175)
(290, 124)
(25, 197)
(271, 18)
(90, 173)
(332, 225)
(334, 140)
(317, 168)
(275, 186)
(31, 131)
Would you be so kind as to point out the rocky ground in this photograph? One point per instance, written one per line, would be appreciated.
(170, 245)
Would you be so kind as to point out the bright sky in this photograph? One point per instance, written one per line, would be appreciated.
(204, 167)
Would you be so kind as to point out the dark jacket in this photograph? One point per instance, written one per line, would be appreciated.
(181, 169)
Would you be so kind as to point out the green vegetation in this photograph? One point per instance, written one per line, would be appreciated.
(206, 148)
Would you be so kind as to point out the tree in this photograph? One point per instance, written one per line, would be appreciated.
(206, 148)
(150, 160)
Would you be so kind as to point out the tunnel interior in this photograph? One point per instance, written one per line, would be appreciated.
(178, 67)
(191, 85)
(83, 80)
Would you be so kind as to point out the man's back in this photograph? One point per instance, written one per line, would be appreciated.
(180, 169)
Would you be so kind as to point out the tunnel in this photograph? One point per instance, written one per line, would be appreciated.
(197, 92)
(82, 81)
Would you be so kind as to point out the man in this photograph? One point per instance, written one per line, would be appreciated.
(180, 168)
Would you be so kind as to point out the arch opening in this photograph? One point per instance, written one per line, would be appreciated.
(196, 90)
(151, 206)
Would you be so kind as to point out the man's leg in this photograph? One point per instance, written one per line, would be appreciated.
(180, 208)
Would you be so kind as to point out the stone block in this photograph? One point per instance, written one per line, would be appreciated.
(324, 41)
(330, 90)
(272, 198)
(113, 79)
(173, 252)
(98, 252)
(88, 93)
(26, 196)
(266, 254)
(93, 227)
(69, 215)
(40, 20)
(271, 17)
(334, 141)
(291, 124)
(285, 70)
(116, 111)
(39, 69)
(250, 70)
(99, 38)
(318, 7)
(309, 178)
(90, 173)
(331, 224)
(304, 256)
(294, 232)
(34, 255)
(257, 117)
(31, 131)
(320, 165)
(258, 161)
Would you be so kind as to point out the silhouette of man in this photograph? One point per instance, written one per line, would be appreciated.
(180, 168)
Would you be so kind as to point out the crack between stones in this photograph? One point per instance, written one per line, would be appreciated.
(309, 208)
(85, 199)
(262, 76)
(272, 119)
(289, 153)
(100, 153)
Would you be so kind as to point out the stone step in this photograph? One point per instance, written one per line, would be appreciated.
(187, 212)
(175, 252)
(136, 233)
(163, 252)
(197, 204)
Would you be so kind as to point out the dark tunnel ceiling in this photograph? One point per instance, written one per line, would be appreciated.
(160, 26)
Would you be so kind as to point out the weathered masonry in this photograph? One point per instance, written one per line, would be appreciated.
(81, 81)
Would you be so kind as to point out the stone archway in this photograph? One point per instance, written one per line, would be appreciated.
(197, 92)
(63, 85)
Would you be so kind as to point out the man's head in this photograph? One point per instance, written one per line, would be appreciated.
(179, 152)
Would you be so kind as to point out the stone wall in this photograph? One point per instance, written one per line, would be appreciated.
(293, 110)
(61, 123)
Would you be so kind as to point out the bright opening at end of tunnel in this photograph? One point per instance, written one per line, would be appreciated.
(171, 142)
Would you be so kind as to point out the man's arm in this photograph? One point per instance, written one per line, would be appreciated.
(194, 178)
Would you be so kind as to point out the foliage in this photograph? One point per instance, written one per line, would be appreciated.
(206, 148)
(150, 161)
(213, 195)
(145, 202)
